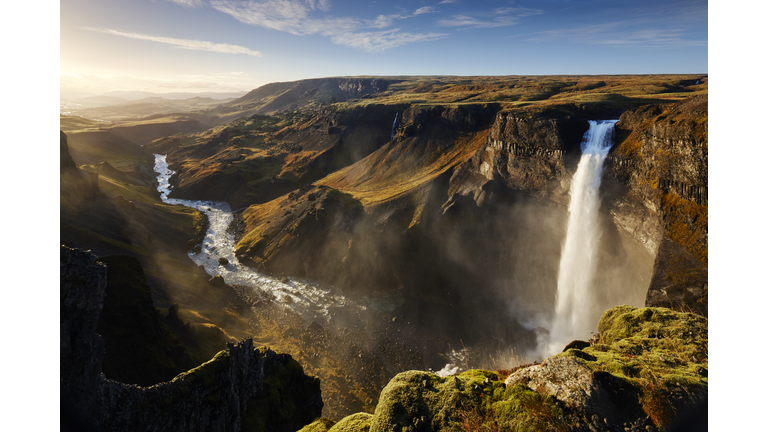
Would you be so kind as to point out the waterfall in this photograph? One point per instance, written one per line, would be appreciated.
(392, 135)
(574, 306)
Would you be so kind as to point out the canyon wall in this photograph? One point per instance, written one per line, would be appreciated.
(662, 160)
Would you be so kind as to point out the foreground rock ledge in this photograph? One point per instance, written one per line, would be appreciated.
(646, 372)
(241, 388)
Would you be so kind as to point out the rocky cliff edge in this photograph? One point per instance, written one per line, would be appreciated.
(645, 371)
(241, 388)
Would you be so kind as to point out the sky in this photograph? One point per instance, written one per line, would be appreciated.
(167, 46)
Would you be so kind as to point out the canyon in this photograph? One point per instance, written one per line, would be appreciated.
(443, 231)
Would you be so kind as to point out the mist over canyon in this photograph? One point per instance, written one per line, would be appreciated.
(366, 247)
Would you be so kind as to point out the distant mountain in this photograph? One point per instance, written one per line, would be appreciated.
(102, 100)
(303, 94)
(134, 95)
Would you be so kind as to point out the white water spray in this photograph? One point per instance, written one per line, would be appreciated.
(392, 135)
(574, 314)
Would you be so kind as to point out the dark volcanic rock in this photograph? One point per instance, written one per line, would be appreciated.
(240, 388)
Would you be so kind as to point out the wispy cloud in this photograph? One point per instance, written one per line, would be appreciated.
(284, 15)
(384, 21)
(424, 10)
(188, 3)
(620, 34)
(189, 44)
(517, 11)
(448, 2)
(323, 5)
(500, 17)
(471, 22)
(383, 40)
(296, 17)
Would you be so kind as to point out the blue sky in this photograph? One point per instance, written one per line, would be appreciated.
(228, 45)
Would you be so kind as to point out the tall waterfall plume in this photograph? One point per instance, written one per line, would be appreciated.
(392, 135)
(575, 310)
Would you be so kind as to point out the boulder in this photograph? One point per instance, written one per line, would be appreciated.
(565, 378)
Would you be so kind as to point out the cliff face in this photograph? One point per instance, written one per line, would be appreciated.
(661, 160)
(654, 187)
(528, 154)
(242, 388)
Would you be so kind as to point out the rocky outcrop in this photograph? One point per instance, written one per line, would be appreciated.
(75, 185)
(534, 154)
(647, 370)
(566, 379)
(241, 388)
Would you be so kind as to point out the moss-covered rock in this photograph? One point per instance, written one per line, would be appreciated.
(648, 367)
(651, 362)
(425, 401)
(320, 424)
(360, 422)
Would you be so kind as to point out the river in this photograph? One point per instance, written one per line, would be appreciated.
(304, 297)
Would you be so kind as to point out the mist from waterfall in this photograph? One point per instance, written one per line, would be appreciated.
(574, 306)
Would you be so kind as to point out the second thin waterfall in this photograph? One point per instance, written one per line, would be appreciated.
(574, 307)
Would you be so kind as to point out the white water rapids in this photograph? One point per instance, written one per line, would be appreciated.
(311, 302)
(574, 308)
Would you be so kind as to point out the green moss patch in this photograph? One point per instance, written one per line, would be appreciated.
(320, 424)
(473, 400)
(360, 422)
(651, 353)
(203, 375)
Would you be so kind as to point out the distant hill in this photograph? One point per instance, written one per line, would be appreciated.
(134, 95)
(288, 96)
(102, 100)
